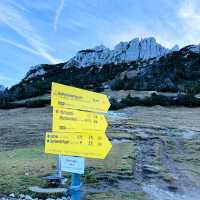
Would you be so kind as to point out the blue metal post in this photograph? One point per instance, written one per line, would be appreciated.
(58, 167)
(75, 186)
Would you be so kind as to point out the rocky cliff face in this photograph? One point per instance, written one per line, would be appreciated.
(135, 49)
(177, 71)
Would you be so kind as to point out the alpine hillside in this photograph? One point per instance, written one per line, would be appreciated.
(138, 64)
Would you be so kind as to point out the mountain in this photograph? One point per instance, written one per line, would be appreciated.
(176, 71)
(138, 64)
(124, 52)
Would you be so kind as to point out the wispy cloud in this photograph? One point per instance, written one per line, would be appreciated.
(190, 16)
(4, 78)
(18, 45)
(14, 19)
(58, 14)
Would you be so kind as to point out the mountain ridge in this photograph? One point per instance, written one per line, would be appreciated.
(178, 70)
(123, 52)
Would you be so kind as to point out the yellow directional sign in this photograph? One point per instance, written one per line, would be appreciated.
(63, 96)
(68, 120)
(78, 144)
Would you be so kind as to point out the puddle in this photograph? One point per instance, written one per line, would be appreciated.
(119, 141)
(113, 115)
(189, 134)
(185, 134)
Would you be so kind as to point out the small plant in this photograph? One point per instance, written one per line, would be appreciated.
(115, 105)
(89, 177)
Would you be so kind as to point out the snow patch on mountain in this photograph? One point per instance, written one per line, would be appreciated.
(37, 70)
(195, 48)
(2, 88)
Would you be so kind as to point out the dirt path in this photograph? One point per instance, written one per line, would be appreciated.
(162, 162)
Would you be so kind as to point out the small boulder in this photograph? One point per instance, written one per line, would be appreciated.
(12, 195)
(150, 169)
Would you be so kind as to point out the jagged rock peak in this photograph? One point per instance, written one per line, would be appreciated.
(100, 48)
(175, 48)
(135, 49)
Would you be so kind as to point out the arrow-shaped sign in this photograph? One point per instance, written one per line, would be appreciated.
(68, 120)
(63, 96)
(78, 144)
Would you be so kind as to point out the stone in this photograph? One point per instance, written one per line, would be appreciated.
(27, 197)
(149, 169)
(22, 196)
(12, 195)
(142, 136)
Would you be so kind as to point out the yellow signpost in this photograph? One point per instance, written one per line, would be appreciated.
(78, 128)
(68, 120)
(90, 145)
(77, 132)
(63, 96)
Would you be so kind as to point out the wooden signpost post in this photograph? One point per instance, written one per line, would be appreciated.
(78, 130)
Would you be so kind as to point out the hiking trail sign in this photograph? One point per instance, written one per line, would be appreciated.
(63, 96)
(78, 123)
(89, 145)
(68, 120)
(72, 164)
(78, 132)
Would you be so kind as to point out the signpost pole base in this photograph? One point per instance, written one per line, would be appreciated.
(75, 186)
(58, 167)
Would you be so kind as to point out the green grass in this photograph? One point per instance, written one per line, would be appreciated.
(117, 164)
(117, 195)
(119, 159)
(22, 168)
(190, 161)
(120, 134)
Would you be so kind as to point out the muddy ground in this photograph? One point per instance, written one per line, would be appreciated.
(155, 151)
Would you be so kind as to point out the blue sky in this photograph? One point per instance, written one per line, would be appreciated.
(51, 31)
